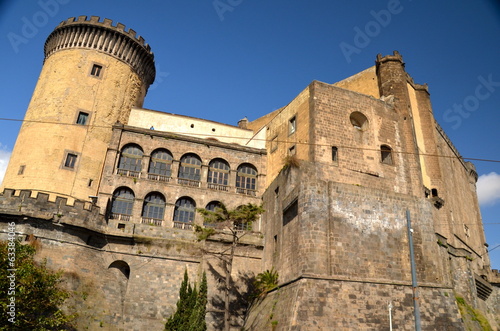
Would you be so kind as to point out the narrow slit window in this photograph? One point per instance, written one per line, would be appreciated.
(96, 70)
(292, 125)
(335, 154)
(21, 170)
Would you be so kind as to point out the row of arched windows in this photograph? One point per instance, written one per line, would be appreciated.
(153, 208)
(160, 168)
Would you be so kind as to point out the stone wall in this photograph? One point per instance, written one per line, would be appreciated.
(331, 304)
(127, 279)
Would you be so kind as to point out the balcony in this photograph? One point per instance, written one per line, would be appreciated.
(160, 178)
(218, 187)
(129, 173)
(121, 217)
(151, 221)
(183, 225)
(246, 191)
(188, 182)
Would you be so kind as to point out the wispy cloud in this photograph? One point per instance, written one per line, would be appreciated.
(4, 160)
(488, 189)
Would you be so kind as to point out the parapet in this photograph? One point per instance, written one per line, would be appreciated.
(104, 37)
(37, 205)
(394, 57)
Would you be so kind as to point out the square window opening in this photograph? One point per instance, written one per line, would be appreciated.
(82, 118)
(96, 70)
(70, 161)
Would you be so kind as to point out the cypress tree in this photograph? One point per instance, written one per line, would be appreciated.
(191, 307)
(197, 319)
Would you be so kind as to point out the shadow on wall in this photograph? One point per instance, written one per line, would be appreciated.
(240, 295)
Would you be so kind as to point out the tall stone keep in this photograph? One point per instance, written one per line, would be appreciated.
(93, 74)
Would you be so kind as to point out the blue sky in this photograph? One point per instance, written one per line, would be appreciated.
(227, 59)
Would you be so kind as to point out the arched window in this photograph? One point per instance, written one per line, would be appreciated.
(184, 213)
(246, 179)
(122, 204)
(190, 170)
(160, 165)
(211, 207)
(153, 208)
(386, 154)
(130, 161)
(218, 174)
(242, 226)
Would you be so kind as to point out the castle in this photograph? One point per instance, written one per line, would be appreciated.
(109, 190)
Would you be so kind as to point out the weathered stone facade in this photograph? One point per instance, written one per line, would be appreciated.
(336, 170)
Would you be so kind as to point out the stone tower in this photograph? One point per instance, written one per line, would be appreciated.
(93, 74)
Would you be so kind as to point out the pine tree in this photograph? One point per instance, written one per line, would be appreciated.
(223, 220)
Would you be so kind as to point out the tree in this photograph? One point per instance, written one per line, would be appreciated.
(265, 282)
(30, 293)
(191, 307)
(197, 319)
(235, 222)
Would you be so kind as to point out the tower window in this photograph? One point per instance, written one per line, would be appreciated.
(335, 154)
(386, 154)
(21, 169)
(358, 121)
(82, 118)
(70, 161)
(96, 70)
(290, 212)
(292, 125)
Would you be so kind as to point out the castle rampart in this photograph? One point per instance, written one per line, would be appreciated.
(104, 37)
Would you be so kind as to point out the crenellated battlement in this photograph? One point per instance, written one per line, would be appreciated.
(96, 20)
(394, 57)
(48, 207)
(105, 37)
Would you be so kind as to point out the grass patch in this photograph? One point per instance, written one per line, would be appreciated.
(470, 314)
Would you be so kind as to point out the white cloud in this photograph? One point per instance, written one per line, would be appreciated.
(4, 160)
(488, 189)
